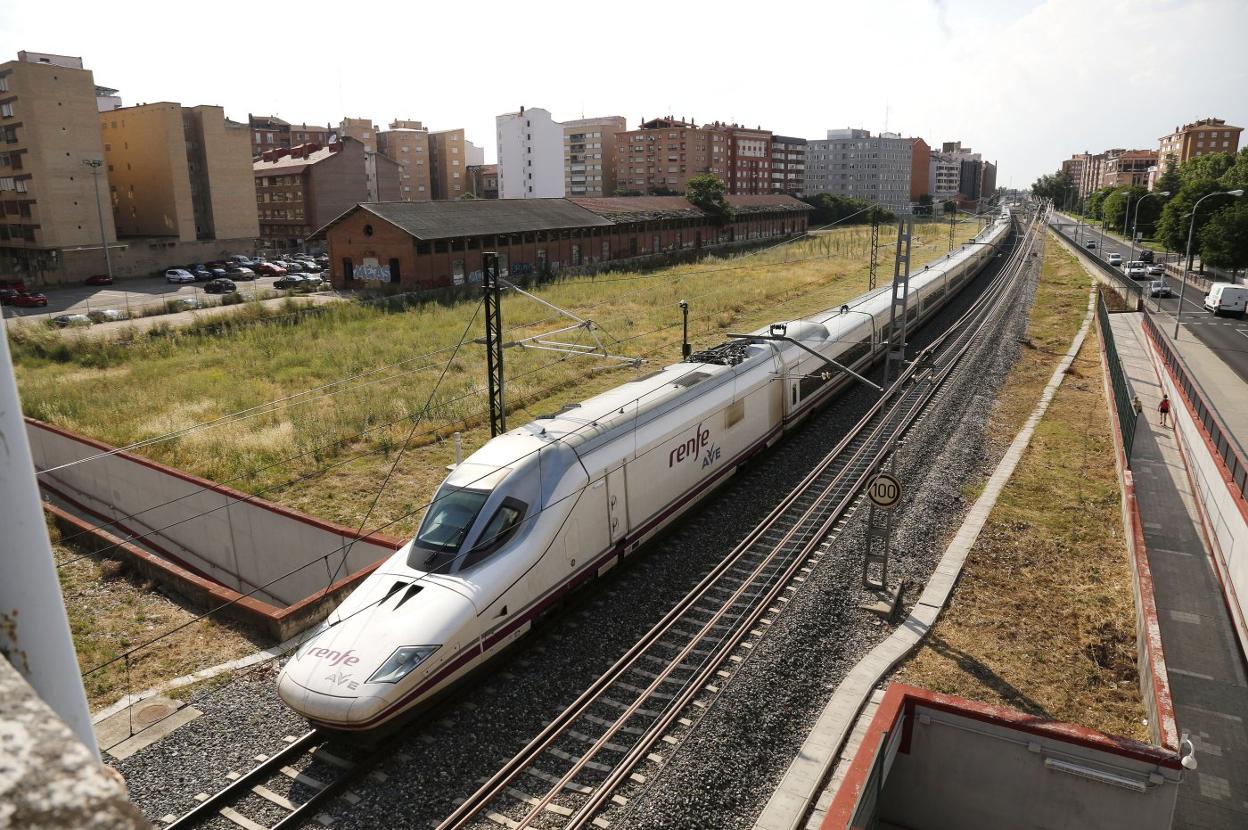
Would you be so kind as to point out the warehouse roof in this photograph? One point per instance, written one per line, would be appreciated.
(489, 217)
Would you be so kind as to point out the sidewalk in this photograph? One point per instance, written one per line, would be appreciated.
(1206, 668)
(1222, 387)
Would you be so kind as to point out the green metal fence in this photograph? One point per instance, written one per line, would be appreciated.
(1122, 389)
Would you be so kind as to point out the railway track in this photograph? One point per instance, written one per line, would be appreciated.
(581, 769)
(284, 789)
(575, 772)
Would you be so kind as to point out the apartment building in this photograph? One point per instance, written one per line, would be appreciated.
(662, 154)
(474, 155)
(483, 181)
(944, 178)
(530, 155)
(887, 169)
(448, 167)
(589, 155)
(1127, 167)
(49, 125)
(788, 165)
(303, 188)
(406, 142)
(362, 130)
(1209, 135)
(179, 172)
(749, 158)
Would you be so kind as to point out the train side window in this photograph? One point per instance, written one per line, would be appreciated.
(498, 531)
(734, 413)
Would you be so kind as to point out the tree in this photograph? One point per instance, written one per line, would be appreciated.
(708, 192)
(1199, 168)
(1236, 176)
(660, 190)
(950, 206)
(1096, 202)
(831, 209)
(1177, 214)
(1224, 238)
(1059, 187)
(1169, 181)
(1115, 205)
(923, 205)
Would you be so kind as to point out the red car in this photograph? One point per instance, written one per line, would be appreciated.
(13, 284)
(28, 300)
(270, 269)
(98, 279)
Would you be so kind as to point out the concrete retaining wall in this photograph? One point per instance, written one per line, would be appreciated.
(275, 555)
(1223, 509)
(954, 763)
(1150, 660)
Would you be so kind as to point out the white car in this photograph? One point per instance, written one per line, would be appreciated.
(179, 275)
(1115, 259)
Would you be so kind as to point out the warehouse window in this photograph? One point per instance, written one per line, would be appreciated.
(394, 269)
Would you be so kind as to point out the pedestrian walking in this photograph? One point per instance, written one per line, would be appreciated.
(1164, 409)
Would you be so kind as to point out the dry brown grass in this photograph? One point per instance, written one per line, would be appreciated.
(1043, 618)
(111, 610)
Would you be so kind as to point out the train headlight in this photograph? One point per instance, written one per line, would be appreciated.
(401, 663)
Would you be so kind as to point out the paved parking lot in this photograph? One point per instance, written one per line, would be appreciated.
(128, 296)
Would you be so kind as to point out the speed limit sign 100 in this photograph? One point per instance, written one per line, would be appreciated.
(884, 491)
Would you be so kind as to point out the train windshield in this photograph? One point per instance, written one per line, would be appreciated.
(442, 532)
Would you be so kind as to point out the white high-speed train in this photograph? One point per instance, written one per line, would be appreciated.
(543, 508)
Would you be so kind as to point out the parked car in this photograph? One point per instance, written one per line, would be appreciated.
(1159, 288)
(1090, 244)
(98, 279)
(28, 299)
(179, 275)
(106, 315)
(7, 295)
(290, 281)
(238, 272)
(1115, 258)
(66, 320)
(311, 268)
(293, 267)
(240, 259)
(200, 273)
(220, 286)
(313, 282)
(1156, 271)
(219, 272)
(271, 269)
(1227, 298)
(1146, 255)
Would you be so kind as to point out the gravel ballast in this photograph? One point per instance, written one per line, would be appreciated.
(723, 772)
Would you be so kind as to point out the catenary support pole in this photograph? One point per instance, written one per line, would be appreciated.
(494, 342)
(34, 629)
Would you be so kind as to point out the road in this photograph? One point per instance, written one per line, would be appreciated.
(129, 295)
(1227, 337)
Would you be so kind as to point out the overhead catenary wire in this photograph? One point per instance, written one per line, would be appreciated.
(693, 368)
(355, 436)
(307, 395)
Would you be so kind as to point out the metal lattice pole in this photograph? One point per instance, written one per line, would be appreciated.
(494, 342)
(875, 249)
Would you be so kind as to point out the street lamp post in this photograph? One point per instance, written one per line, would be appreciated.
(1188, 258)
(95, 165)
(1135, 219)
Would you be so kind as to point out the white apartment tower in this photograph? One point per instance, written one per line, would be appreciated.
(530, 155)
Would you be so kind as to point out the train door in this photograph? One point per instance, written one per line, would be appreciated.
(617, 505)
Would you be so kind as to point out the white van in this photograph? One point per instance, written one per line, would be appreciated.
(1227, 298)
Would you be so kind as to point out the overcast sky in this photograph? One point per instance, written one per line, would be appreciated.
(1028, 82)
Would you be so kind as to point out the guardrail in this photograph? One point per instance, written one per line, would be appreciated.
(1122, 390)
(1134, 289)
(1218, 433)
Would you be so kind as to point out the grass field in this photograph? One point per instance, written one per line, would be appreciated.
(1043, 619)
(111, 610)
(147, 386)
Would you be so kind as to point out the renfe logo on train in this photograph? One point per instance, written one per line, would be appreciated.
(346, 658)
(698, 446)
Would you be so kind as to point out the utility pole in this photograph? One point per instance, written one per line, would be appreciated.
(875, 248)
(95, 165)
(953, 214)
(493, 293)
(34, 629)
(895, 358)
